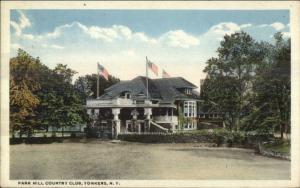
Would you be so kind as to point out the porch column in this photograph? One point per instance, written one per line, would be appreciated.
(116, 122)
(126, 129)
(172, 122)
(139, 127)
(89, 112)
(134, 114)
(148, 113)
(96, 114)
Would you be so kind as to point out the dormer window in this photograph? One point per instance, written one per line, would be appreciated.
(188, 91)
(126, 95)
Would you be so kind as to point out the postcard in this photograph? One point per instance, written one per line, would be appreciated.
(150, 94)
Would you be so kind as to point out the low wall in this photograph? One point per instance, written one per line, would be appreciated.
(164, 138)
(217, 139)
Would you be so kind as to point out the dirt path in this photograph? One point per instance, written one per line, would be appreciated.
(106, 160)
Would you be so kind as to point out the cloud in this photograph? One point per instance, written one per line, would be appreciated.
(245, 25)
(225, 28)
(139, 36)
(276, 25)
(124, 49)
(179, 38)
(109, 34)
(286, 34)
(15, 46)
(18, 30)
(129, 52)
(53, 46)
(27, 36)
(23, 22)
(216, 32)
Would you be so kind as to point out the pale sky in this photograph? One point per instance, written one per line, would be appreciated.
(178, 41)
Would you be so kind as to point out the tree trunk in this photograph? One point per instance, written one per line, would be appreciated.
(13, 132)
(281, 130)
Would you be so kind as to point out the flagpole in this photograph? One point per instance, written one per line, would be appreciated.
(147, 77)
(97, 80)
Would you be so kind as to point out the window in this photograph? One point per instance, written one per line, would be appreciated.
(127, 96)
(190, 109)
(188, 91)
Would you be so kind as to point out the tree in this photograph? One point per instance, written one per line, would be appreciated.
(23, 84)
(250, 83)
(62, 103)
(229, 76)
(87, 85)
(272, 85)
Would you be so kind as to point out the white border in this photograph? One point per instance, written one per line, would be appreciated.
(293, 6)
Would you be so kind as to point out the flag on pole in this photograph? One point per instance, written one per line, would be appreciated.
(153, 67)
(165, 74)
(102, 71)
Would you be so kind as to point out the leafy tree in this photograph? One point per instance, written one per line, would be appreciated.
(230, 75)
(41, 97)
(87, 85)
(23, 84)
(272, 85)
(250, 83)
(62, 104)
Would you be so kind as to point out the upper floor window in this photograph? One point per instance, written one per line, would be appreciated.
(126, 95)
(190, 109)
(188, 91)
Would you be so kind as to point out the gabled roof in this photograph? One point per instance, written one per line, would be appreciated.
(166, 90)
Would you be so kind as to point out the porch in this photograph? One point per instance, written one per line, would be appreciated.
(125, 116)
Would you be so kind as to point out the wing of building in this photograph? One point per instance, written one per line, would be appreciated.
(169, 105)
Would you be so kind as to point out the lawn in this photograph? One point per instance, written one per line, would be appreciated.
(283, 147)
(96, 159)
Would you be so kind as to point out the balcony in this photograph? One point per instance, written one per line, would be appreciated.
(106, 103)
(118, 102)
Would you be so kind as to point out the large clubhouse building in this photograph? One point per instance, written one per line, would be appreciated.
(146, 105)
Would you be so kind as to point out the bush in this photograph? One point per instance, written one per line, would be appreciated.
(73, 135)
(218, 136)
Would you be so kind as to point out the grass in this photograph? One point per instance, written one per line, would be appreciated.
(283, 147)
(93, 159)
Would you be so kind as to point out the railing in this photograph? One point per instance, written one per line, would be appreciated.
(166, 119)
(98, 103)
(157, 125)
(115, 102)
(147, 133)
(121, 101)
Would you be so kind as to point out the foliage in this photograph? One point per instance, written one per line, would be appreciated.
(281, 147)
(23, 84)
(249, 83)
(41, 97)
(87, 85)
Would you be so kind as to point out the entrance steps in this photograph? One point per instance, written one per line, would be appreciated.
(157, 125)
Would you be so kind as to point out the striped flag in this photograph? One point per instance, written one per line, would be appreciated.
(102, 71)
(153, 67)
(165, 74)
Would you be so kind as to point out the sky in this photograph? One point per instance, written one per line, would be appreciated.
(177, 41)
